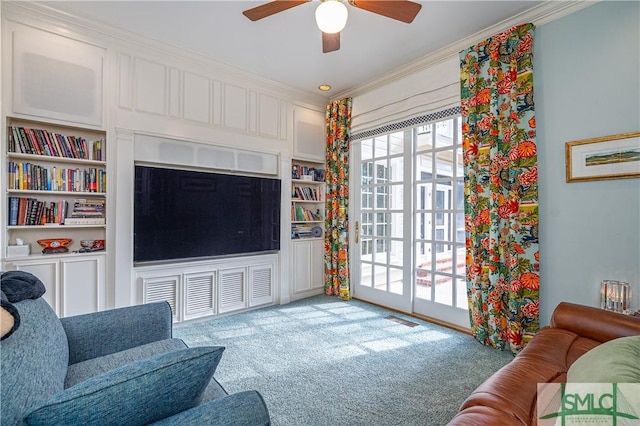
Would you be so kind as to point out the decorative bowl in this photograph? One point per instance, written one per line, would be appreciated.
(54, 243)
(86, 243)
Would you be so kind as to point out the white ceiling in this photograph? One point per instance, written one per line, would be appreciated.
(287, 47)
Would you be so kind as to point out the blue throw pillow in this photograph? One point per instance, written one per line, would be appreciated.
(136, 394)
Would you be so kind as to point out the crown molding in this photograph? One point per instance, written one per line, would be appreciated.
(111, 37)
(538, 15)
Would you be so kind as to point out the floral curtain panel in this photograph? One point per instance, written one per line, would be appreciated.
(501, 188)
(336, 240)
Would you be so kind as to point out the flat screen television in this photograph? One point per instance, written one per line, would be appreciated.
(184, 214)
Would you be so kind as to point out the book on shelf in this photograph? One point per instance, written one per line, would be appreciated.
(25, 211)
(305, 231)
(13, 211)
(26, 140)
(306, 193)
(87, 208)
(28, 176)
(299, 171)
(85, 221)
(302, 214)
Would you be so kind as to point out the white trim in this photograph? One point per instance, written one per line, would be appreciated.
(539, 15)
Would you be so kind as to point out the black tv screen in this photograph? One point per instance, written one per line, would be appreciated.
(183, 214)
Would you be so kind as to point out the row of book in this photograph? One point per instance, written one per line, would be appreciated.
(88, 208)
(306, 193)
(33, 177)
(25, 140)
(31, 211)
(301, 214)
(302, 231)
(298, 171)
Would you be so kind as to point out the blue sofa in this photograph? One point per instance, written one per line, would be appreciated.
(116, 367)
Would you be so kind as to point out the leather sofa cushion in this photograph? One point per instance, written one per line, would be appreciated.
(513, 389)
(509, 396)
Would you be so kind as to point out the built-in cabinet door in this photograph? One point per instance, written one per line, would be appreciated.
(74, 285)
(261, 284)
(82, 285)
(48, 271)
(199, 295)
(308, 134)
(162, 288)
(233, 294)
(308, 271)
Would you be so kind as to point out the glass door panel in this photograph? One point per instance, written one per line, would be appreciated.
(408, 202)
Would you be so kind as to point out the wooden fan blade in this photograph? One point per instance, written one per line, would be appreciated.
(271, 8)
(401, 10)
(330, 42)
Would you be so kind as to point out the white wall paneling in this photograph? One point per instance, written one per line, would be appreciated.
(252, 110)
(217, 103)
(308, 134)
(56, 77)
(150, 86)
(125, 65)
(197, 98)
(268, 116)
(235, 107)
(175, 91)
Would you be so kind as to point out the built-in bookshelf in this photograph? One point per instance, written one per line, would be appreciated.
(56, 184)
(307, 228)
(307, 200)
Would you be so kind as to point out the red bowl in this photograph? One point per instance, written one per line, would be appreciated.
(52, 243)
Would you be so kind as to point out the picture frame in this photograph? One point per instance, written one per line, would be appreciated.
(602, 158)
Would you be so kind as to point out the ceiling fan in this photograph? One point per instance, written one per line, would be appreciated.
(336, 13)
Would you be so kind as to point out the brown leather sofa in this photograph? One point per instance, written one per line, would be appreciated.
(508, 397)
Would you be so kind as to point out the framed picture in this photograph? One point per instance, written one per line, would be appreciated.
(607, 157)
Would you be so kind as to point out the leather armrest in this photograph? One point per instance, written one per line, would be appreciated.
(594, 323)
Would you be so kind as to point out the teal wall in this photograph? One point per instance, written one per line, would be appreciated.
(587, 84)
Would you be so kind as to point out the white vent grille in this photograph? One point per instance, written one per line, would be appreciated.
(232, 292)
(261, 286)
(158, 291)
(199, 294)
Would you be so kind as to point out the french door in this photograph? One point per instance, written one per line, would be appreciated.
(408, 247)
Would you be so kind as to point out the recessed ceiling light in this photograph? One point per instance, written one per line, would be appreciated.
(324, 87)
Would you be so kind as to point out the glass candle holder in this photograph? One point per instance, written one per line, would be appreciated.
(615, 296)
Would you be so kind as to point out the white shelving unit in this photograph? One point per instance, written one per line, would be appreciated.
(75, 280)
(307, 227)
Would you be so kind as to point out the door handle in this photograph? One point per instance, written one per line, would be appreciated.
(357, 232)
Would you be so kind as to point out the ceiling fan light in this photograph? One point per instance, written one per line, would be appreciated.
(331, 16)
